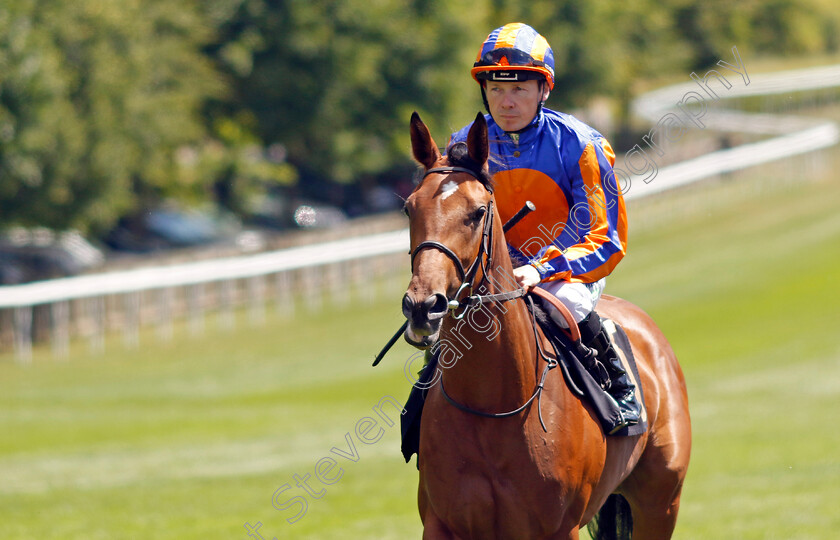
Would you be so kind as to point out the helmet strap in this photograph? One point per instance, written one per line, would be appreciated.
(484, 98)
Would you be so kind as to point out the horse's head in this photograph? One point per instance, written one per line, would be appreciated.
(450, 218)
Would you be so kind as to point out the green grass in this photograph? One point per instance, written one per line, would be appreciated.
(748, 294)
(191, 439)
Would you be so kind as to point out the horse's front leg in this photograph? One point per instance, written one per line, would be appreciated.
(434, 529)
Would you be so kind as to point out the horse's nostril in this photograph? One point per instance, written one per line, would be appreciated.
(436, 306)
(433, 308)
(407, 306)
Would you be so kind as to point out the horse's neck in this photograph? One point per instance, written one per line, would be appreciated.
(490, 364)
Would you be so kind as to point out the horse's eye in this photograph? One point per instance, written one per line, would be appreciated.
(478, 214)
(405, 210)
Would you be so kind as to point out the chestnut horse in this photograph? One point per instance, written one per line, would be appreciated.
(509, 478)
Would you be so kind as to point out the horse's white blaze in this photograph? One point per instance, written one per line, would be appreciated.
(448, 189)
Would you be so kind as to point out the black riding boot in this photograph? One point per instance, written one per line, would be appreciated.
(618, 383)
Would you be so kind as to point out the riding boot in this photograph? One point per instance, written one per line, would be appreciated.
(619, 385)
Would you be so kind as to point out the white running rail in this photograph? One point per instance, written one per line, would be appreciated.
(144, 279)
(794, 135)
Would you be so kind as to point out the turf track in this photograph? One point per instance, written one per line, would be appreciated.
(191, 439)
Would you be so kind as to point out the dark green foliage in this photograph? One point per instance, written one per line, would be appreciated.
(95, 98)
(107, 105)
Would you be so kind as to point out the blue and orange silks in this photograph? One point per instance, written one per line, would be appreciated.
(578, 232)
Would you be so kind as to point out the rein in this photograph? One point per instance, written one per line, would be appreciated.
(551, 363)
(573, 334)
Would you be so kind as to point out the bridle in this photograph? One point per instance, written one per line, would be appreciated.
(483, 259)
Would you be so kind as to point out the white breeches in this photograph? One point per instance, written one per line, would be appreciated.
(579, 298)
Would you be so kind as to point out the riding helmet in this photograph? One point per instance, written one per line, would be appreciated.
(514, 52)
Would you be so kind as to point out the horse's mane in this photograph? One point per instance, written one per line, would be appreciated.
(459, 156)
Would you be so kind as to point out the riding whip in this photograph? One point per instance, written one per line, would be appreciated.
(517, 217)
(390, 343)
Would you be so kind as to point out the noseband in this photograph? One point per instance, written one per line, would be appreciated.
(485, 248)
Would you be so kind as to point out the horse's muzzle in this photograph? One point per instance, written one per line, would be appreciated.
(424, 318)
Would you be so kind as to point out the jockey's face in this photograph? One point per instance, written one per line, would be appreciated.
(514, 104)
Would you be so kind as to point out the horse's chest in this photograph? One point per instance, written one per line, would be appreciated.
(497, 481)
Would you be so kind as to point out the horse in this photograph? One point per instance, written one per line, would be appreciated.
(545, 469)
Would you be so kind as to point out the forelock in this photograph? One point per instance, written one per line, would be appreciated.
(458, 155)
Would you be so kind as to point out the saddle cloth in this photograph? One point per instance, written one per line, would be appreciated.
(584, 385)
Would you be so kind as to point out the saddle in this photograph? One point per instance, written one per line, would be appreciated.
(585, 381)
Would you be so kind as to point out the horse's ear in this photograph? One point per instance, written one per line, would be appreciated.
(422, 145)
(477, 140)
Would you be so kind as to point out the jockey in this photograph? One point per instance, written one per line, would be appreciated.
(578, 232)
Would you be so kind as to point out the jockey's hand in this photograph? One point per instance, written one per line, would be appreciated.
(526, 276)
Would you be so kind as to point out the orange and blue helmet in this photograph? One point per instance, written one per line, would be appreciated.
(514, 52)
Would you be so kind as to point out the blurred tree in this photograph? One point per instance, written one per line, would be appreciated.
(335, 81)
(601, 48)
(769, 27)
(108, 104)
(95, 98)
